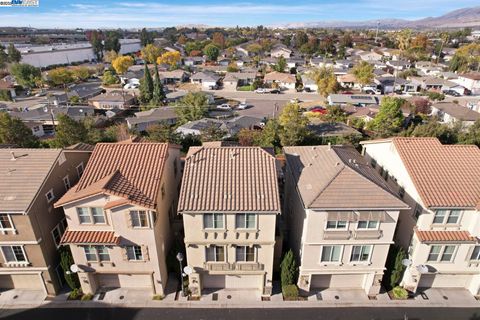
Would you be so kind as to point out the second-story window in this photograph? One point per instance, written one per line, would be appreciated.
(66, 183)
(93, 215)
(96, 253)
(447, 217)
(213, 221)
(441, 253)
(5, 222)
(215, 254)
(134, 253)
(331, 253)
(336, 225)
(475, 254)
(14, 254)
(361, 253)
(245, 254)
(139, 218)
(246, 221)
(367, 225)
(50, 196)
(80, 170)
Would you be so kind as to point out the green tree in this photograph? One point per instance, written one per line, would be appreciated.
(69, 132)
(363, 71)
(193, 106)
(281, 64)
(60, 76)
(445, 133)
(14, 56)
(3, 57)
(96, 40)
(150, 53)
(112, 41)
(212, 52)
(146, 86)
(162, 133)
(466, 58)
(326, 80)
(293, 125)
(14, 131)
(26, 75)
(389, 119)
(145, 37)
(109, 78)
(66, 260)
(288, 269)
(270, 136)
(212, 133)
(300, 39)
(81, 73)
(471, 135)
(335, 114)
(158, 94)
(398, 269)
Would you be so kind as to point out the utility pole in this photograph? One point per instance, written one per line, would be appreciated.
(376, 34)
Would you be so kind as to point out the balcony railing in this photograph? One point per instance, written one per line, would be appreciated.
(337, 235)
(368, 234)
(236, 266)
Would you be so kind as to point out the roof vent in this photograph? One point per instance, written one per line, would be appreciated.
(349, 160)
(13, 158)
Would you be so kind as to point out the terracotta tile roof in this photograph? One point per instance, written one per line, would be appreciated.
(129, 170)
(87, 237)
(444, 175)
(338, 177)
(445, 236)
(229, 179)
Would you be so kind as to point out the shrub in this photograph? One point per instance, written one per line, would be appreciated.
(399, 293)
(158, 297)
(245, 88)
(399, 268)
(288, 269)
(87, 297)
(290, 292)
(75, 294)
(5, 95)
(435, 96)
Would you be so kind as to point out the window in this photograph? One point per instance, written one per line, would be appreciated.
(336, 224)
(447, 216)
(5, 222)
(80, 170)
(96, 253)
(66, 183)
(50, 196)
(475, 253)
(90, 253)
(215, 254)
(163, 190)
(62, 159)
(245, 221)
(331, 253)
(139, 218)
(401, 192)
(134, 253)
(367, 225)
(175, 167)
(103, 254)
(14, 254)
(441, 253)
(245, 254)
(373, 163)
(213, 221)
(92, 215)
(361, 253)
(58, 231)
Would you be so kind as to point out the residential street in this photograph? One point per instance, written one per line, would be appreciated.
(392, 313)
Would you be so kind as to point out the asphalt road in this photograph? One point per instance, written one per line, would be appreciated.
(390, 313)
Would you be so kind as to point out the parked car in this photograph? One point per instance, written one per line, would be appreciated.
(41, 94)
(307, 89)
(260, 90)
(371, 90)
(318, 109)
(452, 93)
(276, 91)
(242, 106)
(131, 86)
(224, 106)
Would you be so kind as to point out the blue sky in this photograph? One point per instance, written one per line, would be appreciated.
(132, 14)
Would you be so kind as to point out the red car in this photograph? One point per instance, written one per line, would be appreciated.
(320, 110)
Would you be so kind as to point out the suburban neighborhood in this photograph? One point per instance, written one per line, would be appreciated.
(329, 170)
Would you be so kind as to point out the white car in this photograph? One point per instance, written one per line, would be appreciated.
(131, 86)
(41, 94)
(242, 106)
(224, 106)
(260, 90)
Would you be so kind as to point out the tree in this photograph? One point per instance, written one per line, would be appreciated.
(293, 125)
(109, 78)
(466, 58)
(14, 56)
(212, 52)
(300, 39)
(327, 46)
(69, 132)
(110, 56)
(281, 64)
(346, 41)
(14, 131)
(471, 135)
(3, 57)
(81, 73)
(335, 114)
(182, 39)
(170, 58)
(122, 63)
(26, 75)
(404, 39)
(218, 39)
(146, 86)
(60, 76)
(158, 95)
(389, 119)
(270, 136)
(150, 53)
(66, 260)
(248, 137)
(288, 269)
(96, 40)
(254, 48)
(326, 80)
(145, 37)
(112, 41)
(162, 133)
(232, 67)
(445, 133)
(398, 269)
(212, 133)
(363, 71)
(193, 106)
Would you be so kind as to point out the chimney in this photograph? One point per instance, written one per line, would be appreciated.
(329, 146)
(13, 158)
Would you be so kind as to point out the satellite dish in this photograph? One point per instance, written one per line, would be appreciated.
(421, 268)
(74, 268)
(407, 262)
(188, 270)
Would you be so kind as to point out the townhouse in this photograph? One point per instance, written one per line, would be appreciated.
(30, 227)
(452, 113)
(341, 217)
(230, 201)
(441, 184)
(119, 216)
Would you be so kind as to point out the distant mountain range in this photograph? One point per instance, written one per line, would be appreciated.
(461, 18)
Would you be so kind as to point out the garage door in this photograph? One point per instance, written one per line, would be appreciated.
(20, 281)
(337, 281)
(244, 282)
(444, 281)
(124, 280)
(216, 281)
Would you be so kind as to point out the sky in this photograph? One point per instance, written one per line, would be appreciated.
(149, 13)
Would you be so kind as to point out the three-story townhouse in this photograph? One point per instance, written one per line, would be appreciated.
(30, 227)
(341, 217)
(119, 216)
(229, 201)
(441, 183)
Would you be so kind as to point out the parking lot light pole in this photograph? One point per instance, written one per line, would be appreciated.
(180, 259)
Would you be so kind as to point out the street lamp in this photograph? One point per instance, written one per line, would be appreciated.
(180, 259)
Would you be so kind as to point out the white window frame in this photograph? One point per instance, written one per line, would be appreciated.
(81, 170)
(477, 258)
(61, 227)
(367, 227)
(13, 262)
(134, 255)
(336, 225)
(97, 255)
(213, 221)
(245, 221)
(441, 253)
(137, 213)
(11, 223)
(245, 254)
(215, 253)
(47, 197)
(362, 246)
(66, 183)
(91, 217)
(340, 257)
(448, 212)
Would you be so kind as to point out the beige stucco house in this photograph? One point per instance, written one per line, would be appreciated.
(119, 216)
(31, 180)
(441, 183)
(340, 216)
(229, 201)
